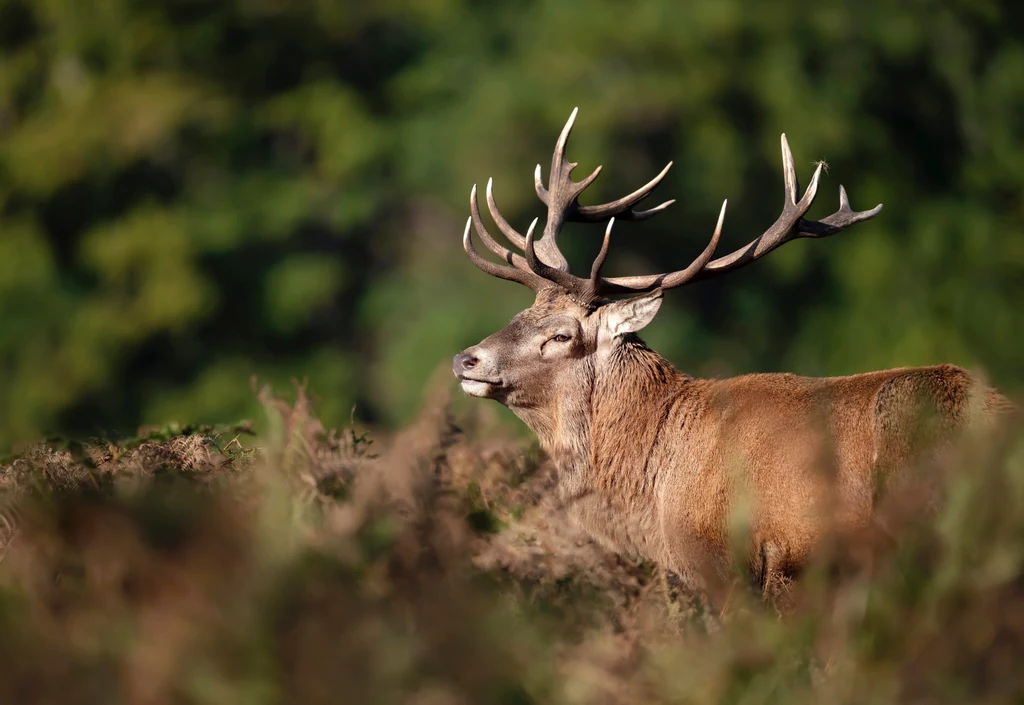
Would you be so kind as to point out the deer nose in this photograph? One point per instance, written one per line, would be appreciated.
(462, 362)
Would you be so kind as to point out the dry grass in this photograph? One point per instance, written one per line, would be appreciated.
(305, 568)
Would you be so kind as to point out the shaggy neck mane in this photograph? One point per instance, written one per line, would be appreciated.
(629, 405)
(595, 438)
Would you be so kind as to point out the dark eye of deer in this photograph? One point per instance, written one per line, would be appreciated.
(561, 338)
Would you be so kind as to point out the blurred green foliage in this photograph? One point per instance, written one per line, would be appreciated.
(196, 191)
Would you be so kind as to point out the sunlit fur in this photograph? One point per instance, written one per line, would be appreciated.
(653, 462)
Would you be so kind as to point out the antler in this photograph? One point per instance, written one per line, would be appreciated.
(544, 264)
(790, 225)
(563, 205)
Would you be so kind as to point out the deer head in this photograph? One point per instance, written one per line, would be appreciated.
(553, 353)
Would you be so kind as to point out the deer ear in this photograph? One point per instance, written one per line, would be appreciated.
(630, 315)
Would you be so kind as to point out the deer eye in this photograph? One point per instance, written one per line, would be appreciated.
(562, 338)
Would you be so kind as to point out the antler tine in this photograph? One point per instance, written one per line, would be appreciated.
(789, 173)
(507, 230)
(670, 280)
(527, 279)
(623, 207)
(791, 224)
(840, 220)
(562, 199)
(542, 193)
(552, 274)
(558, 160)
(493, 245)
(595, 269)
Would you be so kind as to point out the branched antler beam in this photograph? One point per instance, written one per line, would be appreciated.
(542, 263)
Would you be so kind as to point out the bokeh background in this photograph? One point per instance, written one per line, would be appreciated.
(193, 192)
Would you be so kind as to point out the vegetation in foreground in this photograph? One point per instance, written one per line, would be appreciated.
(303, 566)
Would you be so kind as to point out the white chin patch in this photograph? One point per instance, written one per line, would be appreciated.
(475, 388)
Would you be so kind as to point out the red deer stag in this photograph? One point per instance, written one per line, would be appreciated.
(652, 461)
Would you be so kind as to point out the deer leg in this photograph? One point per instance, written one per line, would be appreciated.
(776, 571)
(688, 598)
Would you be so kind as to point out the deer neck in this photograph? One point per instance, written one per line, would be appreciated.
(563, 425)
(630, 400)
(600, 439)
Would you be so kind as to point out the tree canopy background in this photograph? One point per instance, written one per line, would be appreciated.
(193, 192)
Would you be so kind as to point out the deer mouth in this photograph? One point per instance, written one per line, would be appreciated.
(478, 387)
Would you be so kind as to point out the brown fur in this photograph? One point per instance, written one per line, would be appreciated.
(654, 462)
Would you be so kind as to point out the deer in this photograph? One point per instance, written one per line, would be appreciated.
(652, 462)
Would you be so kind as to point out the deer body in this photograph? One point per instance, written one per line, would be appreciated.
(654, 462)
(662, 479)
